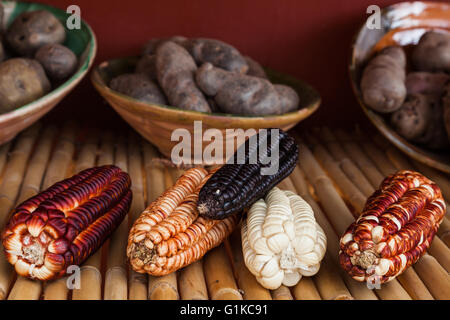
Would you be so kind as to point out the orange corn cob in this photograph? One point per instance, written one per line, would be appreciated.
(66, 223)
(395, 228)
(169, 234)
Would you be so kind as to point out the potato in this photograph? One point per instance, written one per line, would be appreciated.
(289, 99)
(413, 118)
(218, 53)
(139, 87)
(383, 80)
(255, 69)
(176, 70)
(426, 82)
(242, 94)
(147, 65)
(59, 62)
(432, 53)
(153, 44)
(435, 137)
(32, 30)
(21, 81)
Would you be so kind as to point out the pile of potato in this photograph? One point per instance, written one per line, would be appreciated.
(32, 58)
(204, 75)
(417, 101)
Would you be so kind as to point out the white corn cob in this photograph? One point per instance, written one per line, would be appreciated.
(281, 240)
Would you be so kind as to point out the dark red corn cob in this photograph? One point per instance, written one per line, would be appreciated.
(66, 223)
(236, 186)
(395, 228)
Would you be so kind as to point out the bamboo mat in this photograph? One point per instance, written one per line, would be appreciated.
(337, 171)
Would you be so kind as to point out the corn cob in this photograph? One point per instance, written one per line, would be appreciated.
(66, 223)
(281, 240)
(395, 228)
(170, 234)
(239, 184)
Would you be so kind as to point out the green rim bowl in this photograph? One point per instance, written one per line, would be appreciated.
(81, 41)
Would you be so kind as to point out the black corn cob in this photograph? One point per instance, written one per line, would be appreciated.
(238, 185)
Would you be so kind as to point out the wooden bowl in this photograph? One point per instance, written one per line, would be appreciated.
(157, 122)
(401, 24)
(82, 42)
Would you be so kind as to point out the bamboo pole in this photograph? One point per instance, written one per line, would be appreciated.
(61, 159)
(154, 172)
(396, 157)
(251, 289)
(15, 171)
(444, 231)
(9, 189)
(116, 282)
(441, 252)
(58, 169)
(362, 161)
(354, 195)
(90, 275)
(164, 287)
(357, 289)
(56, 290)
(306, 290)
(36, 168)
(339, 154)
(4, 150)
(434, 276)
(337, 212)
(330, 286)
(24, 288)
(335, 208)
(219, 276)
(106, 150)
(192, 282)
(379, 158)
(282, 293)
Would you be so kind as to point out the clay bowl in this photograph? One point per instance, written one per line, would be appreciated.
(402, 24)
(82, 42)
(157, 122)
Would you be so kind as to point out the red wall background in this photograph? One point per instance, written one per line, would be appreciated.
(307, 39)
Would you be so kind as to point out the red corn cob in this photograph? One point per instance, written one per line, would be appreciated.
(395, 228)
(66, 223)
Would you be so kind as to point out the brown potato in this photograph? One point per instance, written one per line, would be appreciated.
(426, 82)
(237, 93)
(435, 136)
(176, 70)
(289, 99)
(432, 53)
(32, 30)
(21, 81)
(147, 65)
(413, 118)
(383, 80)
(139, 87)
(153, 44)
(218, 53)
(255, 69)
(59, 62)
